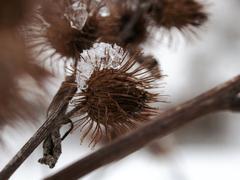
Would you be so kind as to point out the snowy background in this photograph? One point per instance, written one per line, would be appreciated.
(206, 149)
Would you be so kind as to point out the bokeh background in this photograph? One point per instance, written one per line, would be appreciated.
(205, 149)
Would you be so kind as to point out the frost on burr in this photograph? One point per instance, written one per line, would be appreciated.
(101, 55)
(77, 14)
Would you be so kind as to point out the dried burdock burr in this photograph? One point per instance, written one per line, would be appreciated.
(114, 92)
(61, 30)
(69, 42)
(180, 14)
(75, 32)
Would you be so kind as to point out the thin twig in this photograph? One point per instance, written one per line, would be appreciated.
(53, 121)
(224, 97)
(32, 144)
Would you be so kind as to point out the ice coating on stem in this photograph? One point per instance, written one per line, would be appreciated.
(103, 55)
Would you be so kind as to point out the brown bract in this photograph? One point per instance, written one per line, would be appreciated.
(115, 100)
(149, 62)
(50, 29)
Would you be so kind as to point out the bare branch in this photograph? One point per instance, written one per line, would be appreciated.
(223, 97)
(54, 120)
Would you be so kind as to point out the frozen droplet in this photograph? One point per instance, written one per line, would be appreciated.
(104, 12)
(77, 14)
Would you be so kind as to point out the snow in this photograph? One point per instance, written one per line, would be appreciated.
(77, 14)
(97, 56)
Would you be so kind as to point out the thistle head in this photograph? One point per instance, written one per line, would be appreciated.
(74, 31)
(61, 30)
(114, 92)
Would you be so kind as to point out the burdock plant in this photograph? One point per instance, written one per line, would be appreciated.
(111, 86)
(114, 91)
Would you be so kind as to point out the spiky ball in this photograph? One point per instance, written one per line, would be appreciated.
(60, 30)
(114, 96)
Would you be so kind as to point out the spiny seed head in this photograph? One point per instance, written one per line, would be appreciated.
(69, 42)
(116, 96)
(179, 14)
(61, 29)
(74, 31)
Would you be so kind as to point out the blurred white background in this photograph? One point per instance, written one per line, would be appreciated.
(206, 149)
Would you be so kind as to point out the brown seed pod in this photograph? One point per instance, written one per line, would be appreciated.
(70, 42)
(60, 31)
(114, 92)
(179, 14)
